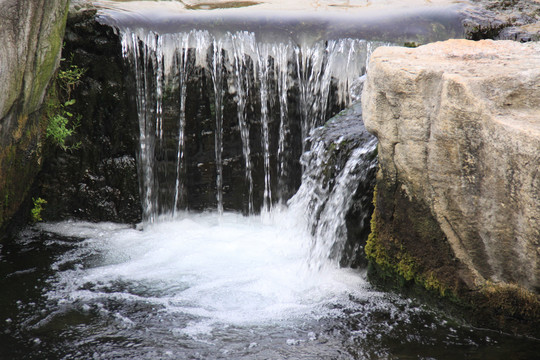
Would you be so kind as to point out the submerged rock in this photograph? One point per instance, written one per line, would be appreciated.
(458, 124)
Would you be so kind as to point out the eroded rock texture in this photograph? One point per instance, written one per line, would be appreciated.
(31, 33)
(458, 202)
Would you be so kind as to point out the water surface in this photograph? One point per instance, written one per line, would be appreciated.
(204, 286)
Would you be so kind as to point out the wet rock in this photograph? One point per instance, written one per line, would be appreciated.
(517, 20)
(458, 187)
(98, 180)
(337, 187)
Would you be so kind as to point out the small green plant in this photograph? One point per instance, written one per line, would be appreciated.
(60, 127)
(37, 209)
(69, 78)
(62, 122)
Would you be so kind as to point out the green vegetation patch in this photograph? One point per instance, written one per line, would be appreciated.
(37, 209)
(62, 123)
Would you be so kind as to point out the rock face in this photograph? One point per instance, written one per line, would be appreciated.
(458, 190)
(503, 20)
(97, 181)
(31, 33)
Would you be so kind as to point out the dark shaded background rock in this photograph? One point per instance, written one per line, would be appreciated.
(97, 181)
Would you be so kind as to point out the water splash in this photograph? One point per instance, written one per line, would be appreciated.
(339, 172)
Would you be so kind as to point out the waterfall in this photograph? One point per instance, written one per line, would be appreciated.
(258, 100)
(339, 170)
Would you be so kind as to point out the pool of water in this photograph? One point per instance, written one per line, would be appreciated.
(204, 286)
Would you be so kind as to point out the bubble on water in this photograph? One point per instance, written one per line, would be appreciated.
(293, 342)
(228, 269)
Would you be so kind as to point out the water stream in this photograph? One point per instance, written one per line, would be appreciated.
(210, 286)
(227, 263)
(268, 95)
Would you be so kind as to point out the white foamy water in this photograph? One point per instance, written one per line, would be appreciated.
(216, 269)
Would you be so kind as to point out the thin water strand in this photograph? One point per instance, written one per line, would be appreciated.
(217, 81)
(282, 78)
(179, 196)
(243, 81)
(263, 69)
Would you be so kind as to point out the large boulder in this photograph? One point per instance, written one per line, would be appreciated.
(458, 190)
(31, 33)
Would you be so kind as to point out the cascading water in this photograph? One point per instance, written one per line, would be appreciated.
(267, 95)
(340, 168)
(224, 118)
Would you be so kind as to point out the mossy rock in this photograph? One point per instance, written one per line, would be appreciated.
(408, 252)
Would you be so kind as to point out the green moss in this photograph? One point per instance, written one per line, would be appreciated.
(510, 300)
(375, 251)
(19, 163)
(411, 44)
(393, 260)
(431, 282)
(406, 266)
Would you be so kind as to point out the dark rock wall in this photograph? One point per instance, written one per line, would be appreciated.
(97, 181)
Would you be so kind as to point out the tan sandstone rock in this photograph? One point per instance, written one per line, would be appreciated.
(458, 124)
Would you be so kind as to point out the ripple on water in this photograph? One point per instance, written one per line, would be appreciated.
(209, 287)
